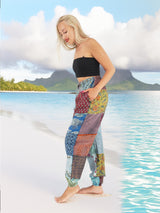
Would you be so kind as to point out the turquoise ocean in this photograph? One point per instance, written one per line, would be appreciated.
(132, 118)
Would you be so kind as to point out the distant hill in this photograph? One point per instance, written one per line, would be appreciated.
(124, 80)
(62, 80)
(119, 76)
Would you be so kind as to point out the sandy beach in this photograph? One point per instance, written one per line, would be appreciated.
(33, 165)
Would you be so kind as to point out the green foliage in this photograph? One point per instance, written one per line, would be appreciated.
(66, 85)
(20, 86)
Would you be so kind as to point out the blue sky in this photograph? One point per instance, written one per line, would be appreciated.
(22, 20)
(122, 10)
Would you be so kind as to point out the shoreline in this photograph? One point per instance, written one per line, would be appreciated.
(16, 91)
(74, 91)
(30, 153)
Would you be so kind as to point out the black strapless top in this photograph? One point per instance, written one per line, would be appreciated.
(86, 66)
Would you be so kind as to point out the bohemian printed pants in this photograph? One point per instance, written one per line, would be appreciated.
(83, 139)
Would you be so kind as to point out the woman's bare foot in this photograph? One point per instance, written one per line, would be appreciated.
(91, 190)
(69, 192)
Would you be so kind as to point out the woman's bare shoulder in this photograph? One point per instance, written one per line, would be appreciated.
(91, 41)
(88, 47)
(92, 44)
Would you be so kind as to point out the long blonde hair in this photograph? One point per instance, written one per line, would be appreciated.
(79, 34)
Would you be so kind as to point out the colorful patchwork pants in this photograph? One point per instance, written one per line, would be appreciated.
(83, 139)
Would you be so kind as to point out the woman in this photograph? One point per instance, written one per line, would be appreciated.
(83, 139)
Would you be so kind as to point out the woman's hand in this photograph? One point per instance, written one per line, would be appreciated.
(92, 93)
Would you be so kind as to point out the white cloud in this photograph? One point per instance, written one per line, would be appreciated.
(21, 72)
(96, 22)
(59, 11)
(133, 45)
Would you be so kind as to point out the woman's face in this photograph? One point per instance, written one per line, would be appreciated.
(66, 32)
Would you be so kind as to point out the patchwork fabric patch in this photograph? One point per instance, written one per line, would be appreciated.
(71, 181)
(73, 131)
(100, 171)
(88, 83)
(82, 103)
(77, 166)
(91, 123)
(77, 122)
(70, 141)
(98, 105)
(83, 144)
(98, 141)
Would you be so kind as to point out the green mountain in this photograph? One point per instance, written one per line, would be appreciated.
(133, 84)
(123, 80)
(62, 80)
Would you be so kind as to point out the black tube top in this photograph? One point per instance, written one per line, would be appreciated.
(86, 66)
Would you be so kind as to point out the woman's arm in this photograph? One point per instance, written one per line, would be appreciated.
(101, 56)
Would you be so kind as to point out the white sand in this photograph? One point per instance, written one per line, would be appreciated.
(33, 166)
